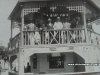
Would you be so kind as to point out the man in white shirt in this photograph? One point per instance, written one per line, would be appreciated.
(31, 27)
(66, 24)
(58, 25)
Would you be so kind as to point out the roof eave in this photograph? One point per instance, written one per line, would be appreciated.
(14, 10)
(21, 1)
(93, 4)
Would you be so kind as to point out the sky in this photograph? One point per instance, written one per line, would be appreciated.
(6, 6)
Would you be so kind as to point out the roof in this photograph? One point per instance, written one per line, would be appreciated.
(22, 1)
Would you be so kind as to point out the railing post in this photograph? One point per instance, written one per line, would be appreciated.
(84, 19)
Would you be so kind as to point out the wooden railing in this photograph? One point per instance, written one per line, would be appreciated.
(15, 42)
(94, 38)
(54, 37)
(47, 37)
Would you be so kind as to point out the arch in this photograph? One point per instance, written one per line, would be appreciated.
(12, 58)
(79, 60)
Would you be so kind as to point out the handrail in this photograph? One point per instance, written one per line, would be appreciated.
(15, 36)
(60, 36)
(56, 29)
(93, 32)
(47, 37)
(94, 38)
(15, 41)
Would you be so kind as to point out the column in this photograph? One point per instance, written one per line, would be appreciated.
(11, 36)
(31, 64)
(10, 63)
(84, 20)
(22, 25)
(21, 62)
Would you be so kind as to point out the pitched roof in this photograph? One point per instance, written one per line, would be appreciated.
(22, 1)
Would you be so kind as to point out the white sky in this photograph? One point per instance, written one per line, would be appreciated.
(6, 6)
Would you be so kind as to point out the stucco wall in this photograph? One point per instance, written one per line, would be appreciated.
(43, 64)
(90, 54)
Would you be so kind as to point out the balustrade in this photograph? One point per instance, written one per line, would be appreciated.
(48, 37)
(15, 42)
(54, 37)
(94, 38)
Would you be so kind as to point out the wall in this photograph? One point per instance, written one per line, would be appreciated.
(43, 64)
(91, 54)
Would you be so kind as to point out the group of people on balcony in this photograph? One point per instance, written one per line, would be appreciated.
(58, 25)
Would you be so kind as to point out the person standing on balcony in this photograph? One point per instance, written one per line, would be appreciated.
(75, 24)
(31, 28)
(50, 27)
(89, 25)
(57, 26)
(37, 37)
(66, 26)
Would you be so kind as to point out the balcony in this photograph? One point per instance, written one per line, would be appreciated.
(94, 38)
(55, 37)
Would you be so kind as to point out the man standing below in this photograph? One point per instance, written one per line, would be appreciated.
(57, 26)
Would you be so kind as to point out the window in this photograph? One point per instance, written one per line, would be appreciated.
(34, 61)
(56, 62)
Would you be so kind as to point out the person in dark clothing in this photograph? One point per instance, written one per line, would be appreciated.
(73, 23)
(28, 68)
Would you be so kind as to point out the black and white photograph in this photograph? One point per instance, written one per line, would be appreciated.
(49, 37)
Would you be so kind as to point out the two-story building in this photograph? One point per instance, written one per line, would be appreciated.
(58, 51)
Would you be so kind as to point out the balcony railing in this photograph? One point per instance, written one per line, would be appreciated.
(15, 42)
(48, 37)
(94, 38)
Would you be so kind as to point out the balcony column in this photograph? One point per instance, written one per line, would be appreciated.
(84, 21)
(21, 51)
(10, 63)
(22, 25)
(31, 64)
(21, 62)
(10, 45)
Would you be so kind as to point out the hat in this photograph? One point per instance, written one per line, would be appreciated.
(49, 19)
(58, 18)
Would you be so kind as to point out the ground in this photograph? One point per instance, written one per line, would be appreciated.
(4, 72)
